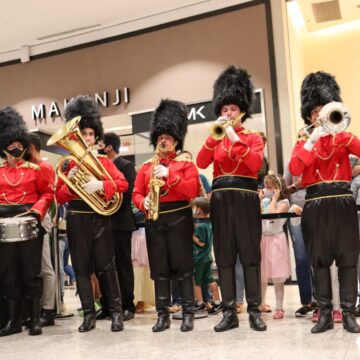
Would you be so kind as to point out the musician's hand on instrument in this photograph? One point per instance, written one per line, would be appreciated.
(93, 185)
(221, 120)
(318, 133)
(72, 172)
(231, 134)
(161, 171)
(147, 202)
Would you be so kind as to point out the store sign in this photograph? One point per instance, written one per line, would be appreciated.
(41, 112)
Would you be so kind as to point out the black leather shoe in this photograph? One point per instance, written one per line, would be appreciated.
(256, 322)
(89, 323)
(357, 311)
(128, 315)
(187, 323)
(229, 321)
(11, 328)
(117, 322)
(47, 318)
(349, 323)
(324, 323)
(163, 322)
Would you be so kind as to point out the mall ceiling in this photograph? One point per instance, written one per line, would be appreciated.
(34, 27)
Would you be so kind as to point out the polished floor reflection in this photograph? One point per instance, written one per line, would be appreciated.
(289, 338)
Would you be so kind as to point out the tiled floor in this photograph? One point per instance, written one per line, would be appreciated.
(288, 339)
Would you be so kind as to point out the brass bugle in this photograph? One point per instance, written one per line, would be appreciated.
(218, 131)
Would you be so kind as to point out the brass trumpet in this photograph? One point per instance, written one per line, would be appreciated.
(218, 131)
(334, 117)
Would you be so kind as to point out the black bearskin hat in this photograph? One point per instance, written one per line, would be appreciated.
(317, 89)
(234, 86)
(12, 128)
(86, 107)
(170, 118)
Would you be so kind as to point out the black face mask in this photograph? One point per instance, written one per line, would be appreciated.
(16, 152)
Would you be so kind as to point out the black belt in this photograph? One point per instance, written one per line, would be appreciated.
(234, 182)
(331, 189)
(8, 211)
(80, 206)
(173, 206)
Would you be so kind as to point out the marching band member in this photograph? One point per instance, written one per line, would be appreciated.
(329, 220)
(90, 234)
(235, 206)
(24, 187)
(169, 237)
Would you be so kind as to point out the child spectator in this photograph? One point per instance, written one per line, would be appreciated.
(203, 240)
(275, 259)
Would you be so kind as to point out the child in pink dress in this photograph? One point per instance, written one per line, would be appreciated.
(275, 258)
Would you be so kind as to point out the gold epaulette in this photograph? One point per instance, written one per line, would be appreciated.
(2, 165)
(29, 165)
(101, 155)
(248, 131)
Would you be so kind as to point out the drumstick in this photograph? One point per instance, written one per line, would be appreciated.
(23, 214)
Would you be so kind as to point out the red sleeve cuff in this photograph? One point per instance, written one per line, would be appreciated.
(305, 156)
(211, 143)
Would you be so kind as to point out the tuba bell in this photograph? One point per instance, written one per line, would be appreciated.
(69, 138)
(218, 131)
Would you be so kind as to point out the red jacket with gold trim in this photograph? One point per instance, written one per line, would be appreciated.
(183, 182)
(242, 158)
(27, 183)
(328, 161)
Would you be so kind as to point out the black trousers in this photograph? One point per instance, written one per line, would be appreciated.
(330, 226)
(90, 242)
(124, 269)
(236, 222)
(20, 262)
(169, 242)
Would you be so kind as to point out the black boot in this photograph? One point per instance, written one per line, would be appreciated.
(83, 284)
(13, 325)
(252, 279)
(186, 287)
(47, 318)
(348, 295)
(323, 296)
(228, 291)
(112, 289)
(162, 300)
(35, 311)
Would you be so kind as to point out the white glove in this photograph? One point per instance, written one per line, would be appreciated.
(314, 137)
(161, 171)
(93, 185)
(231, 134)
(72, 172)
(221, 120)
(147, 202)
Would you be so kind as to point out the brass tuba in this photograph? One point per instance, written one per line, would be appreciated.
(69, 137)
(218, 131)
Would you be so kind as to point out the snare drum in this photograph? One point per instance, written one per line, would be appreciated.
(18, 229)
